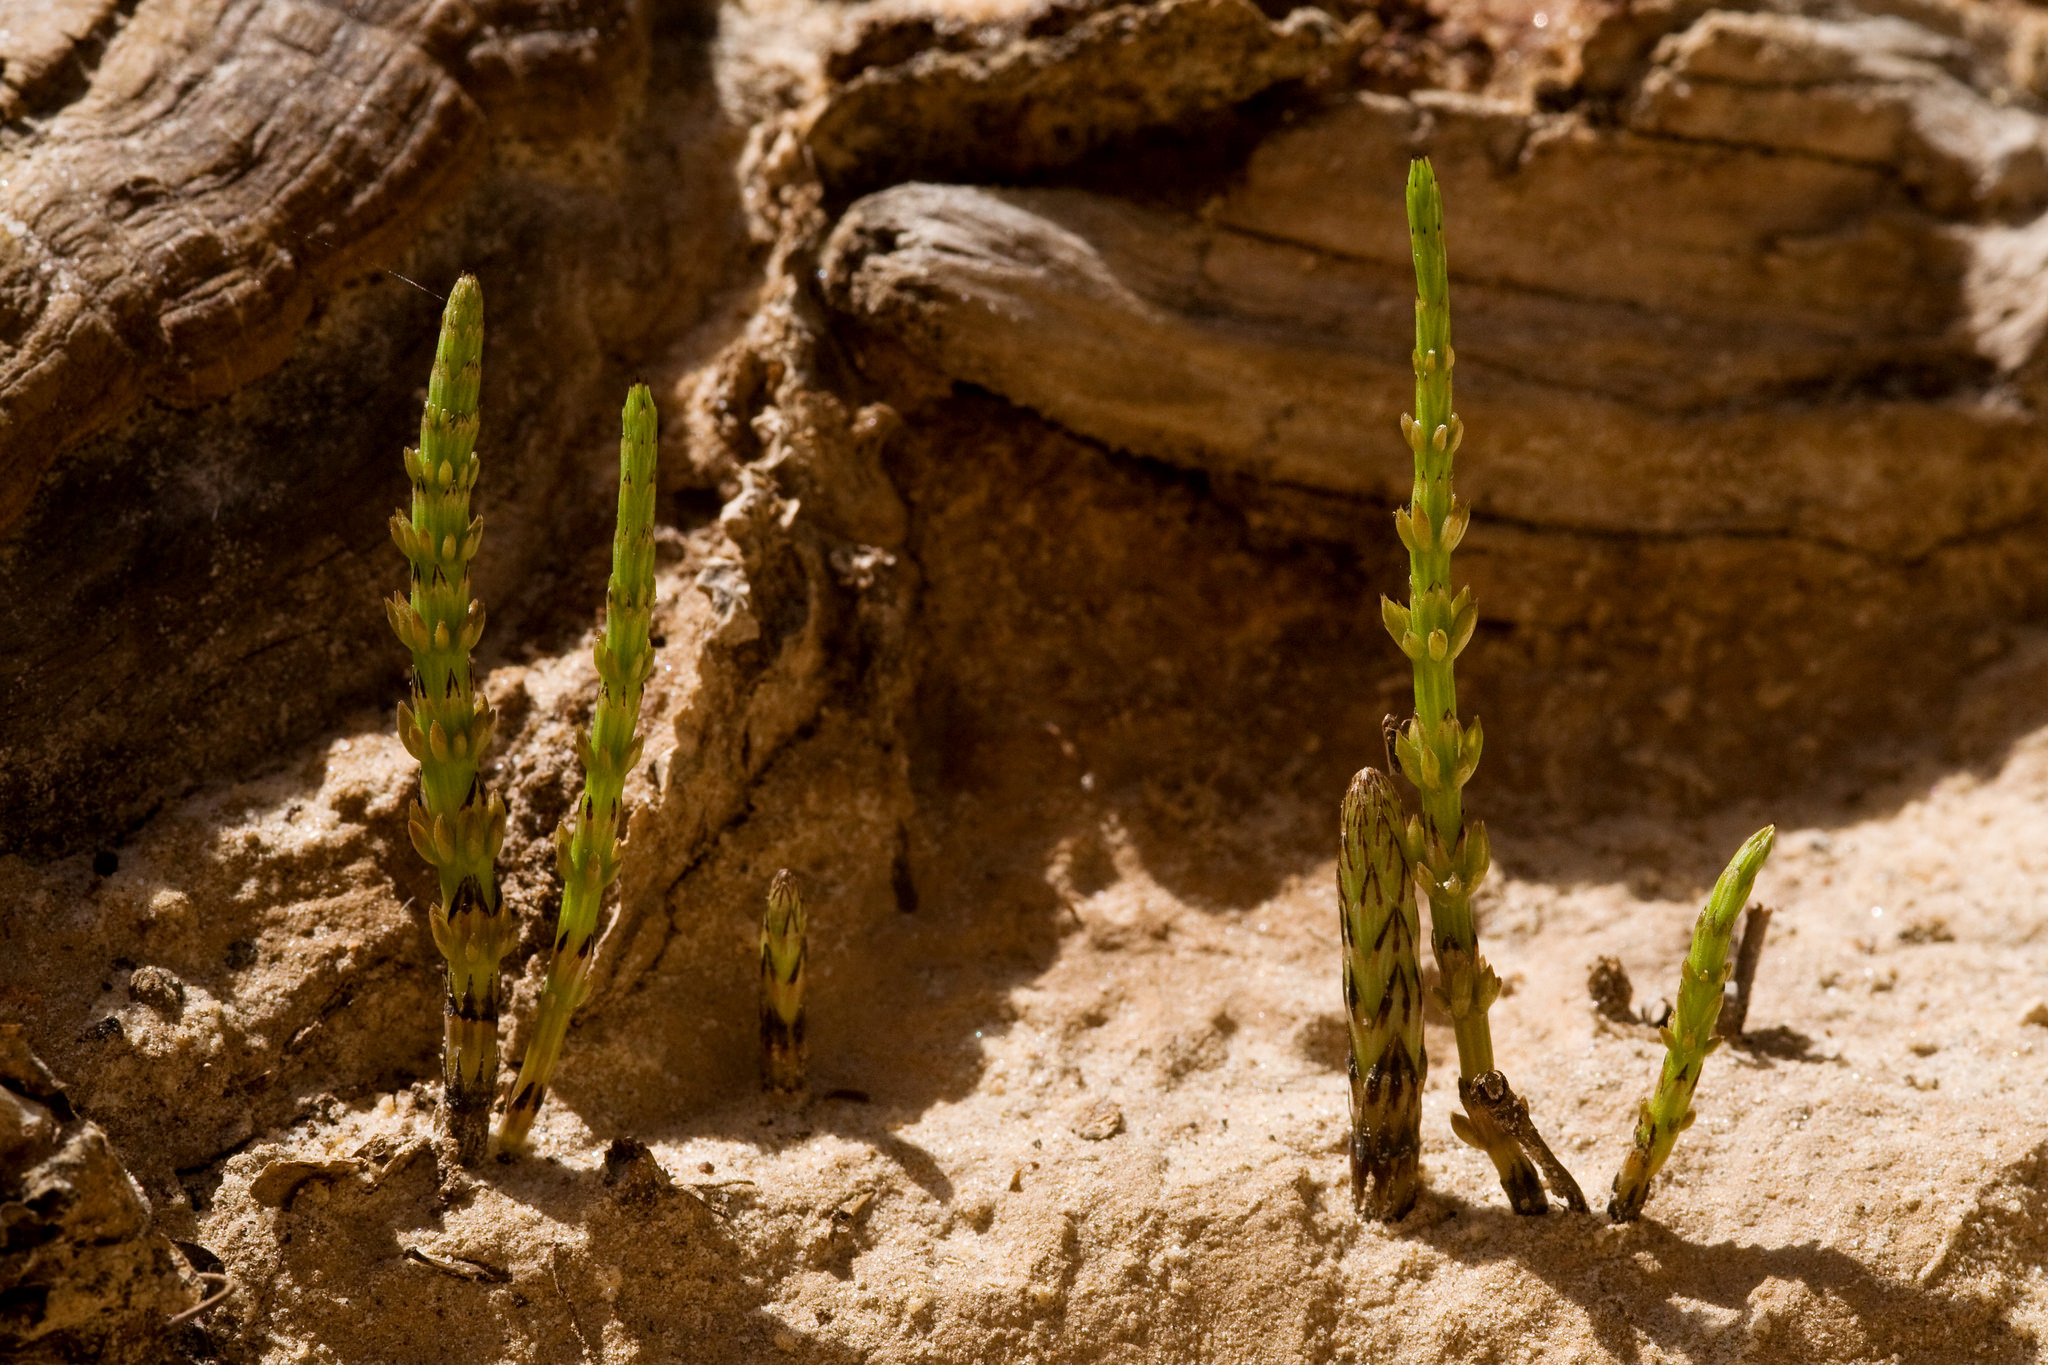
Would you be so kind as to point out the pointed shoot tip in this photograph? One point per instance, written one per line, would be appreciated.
(465, 303)
(1750, 859)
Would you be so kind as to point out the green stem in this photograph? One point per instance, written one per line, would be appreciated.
(1381, 931)
(587, 844)
(456, 825)
(1689, 1037)
(1436, 751)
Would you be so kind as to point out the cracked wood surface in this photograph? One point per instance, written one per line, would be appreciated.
(1637, 359)
(1073, 82)
(1785, 393)
(205, 366)
(188, 176)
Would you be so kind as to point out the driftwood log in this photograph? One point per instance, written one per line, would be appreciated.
(1752, 300)
(1752, 351)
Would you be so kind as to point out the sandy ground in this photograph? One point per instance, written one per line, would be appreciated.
(1865, 1186)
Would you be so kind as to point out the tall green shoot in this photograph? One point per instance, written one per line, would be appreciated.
(1436, 751)
(587, 844)
(456, 824)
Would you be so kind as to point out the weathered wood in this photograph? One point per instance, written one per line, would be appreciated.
(171, 220)
(198, 182)
(1045, 99)
(1783, 395)
(1231, 346)
(1639, 358)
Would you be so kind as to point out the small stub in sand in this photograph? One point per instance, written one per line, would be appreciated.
(280, 1180)
(1104, 1120)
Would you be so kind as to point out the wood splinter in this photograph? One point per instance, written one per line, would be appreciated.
(1735, 1009)
(1489, 1091)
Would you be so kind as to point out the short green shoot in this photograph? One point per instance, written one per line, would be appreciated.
(783, 950)
(457, 825)
(1382, 935)
(587, 843)
(1689, 1037)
